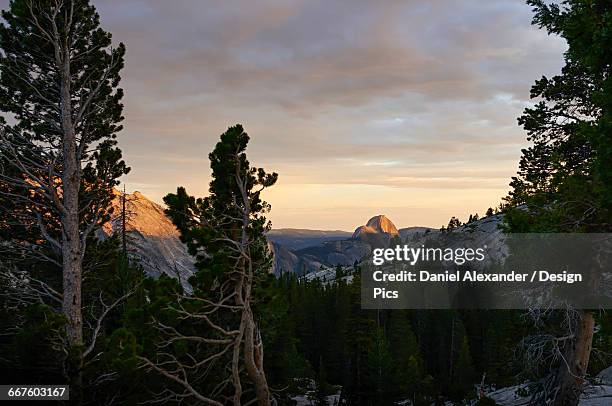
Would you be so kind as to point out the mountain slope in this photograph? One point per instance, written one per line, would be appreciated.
(305, 251)
(152, 238)
(332, 253)
(286, 260)
(410, 232)
(154, 241)
(381, 224)
(377, 232)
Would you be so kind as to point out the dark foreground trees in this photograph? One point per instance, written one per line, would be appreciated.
(564, 182)
(59, 162)
(222, 360)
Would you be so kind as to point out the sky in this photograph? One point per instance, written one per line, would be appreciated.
(402, 108)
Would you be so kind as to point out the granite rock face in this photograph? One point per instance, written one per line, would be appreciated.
(316, 249)
(152, 239)
(338, 252)
(378, 232)
(605, 376)
(286, 260)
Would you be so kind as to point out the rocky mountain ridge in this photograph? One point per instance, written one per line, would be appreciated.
(377, 224)
(152, 239)
(378, 232)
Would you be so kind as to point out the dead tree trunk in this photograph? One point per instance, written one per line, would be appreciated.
(571, 375)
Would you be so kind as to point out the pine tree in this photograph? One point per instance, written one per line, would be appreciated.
(463, 368)
(225, 231)
(379, 367)
(59, 79)
(564, 183)
(407, 365)
(453, 223)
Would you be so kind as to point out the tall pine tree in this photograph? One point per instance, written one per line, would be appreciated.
(225, 231)
(59, 77)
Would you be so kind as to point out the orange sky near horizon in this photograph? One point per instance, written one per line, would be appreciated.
(406, 109)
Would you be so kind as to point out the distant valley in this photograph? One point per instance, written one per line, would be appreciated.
(296, 238)
(154, 241)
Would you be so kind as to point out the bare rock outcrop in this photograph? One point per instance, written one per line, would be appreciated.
(378, 232)
(152, 239)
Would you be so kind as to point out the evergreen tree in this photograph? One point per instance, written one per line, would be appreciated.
(59, 79)
(463, 374)
(284, 363)
(379, 363)
(407, 364)
(225, 231)
(453, 223)
(33, 341)
(564, 183)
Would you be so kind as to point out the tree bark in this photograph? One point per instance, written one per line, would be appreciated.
(71, 239)
(571, 375)
(253, 356)
(253, 347)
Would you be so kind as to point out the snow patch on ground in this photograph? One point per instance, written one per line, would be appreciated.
(594, 395)
(308, 400)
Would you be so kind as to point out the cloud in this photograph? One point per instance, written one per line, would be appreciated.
(406, 95)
